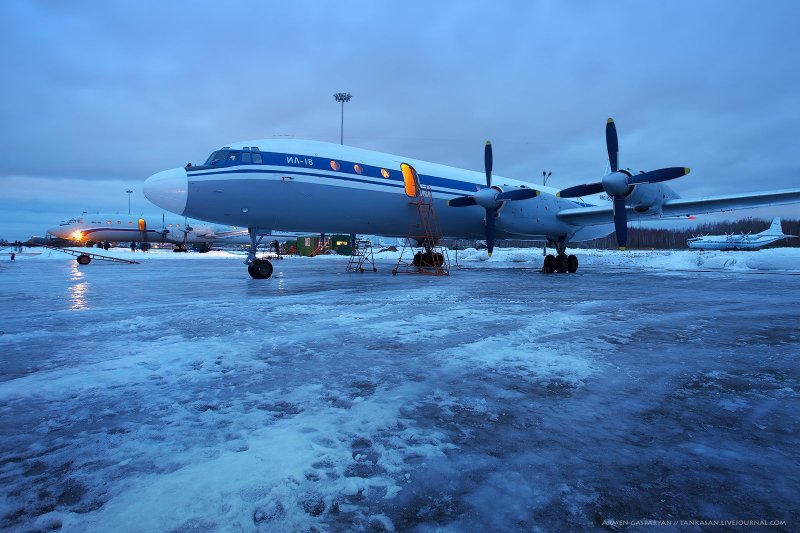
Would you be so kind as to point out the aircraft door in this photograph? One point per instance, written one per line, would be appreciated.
(142, 230)
(410, 180)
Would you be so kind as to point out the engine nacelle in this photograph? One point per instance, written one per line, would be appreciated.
(648, 198)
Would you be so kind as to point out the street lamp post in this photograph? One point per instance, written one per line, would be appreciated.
(545, 175)
(129, 191)
(342, 97)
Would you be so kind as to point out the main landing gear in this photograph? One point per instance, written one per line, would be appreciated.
(257, 268)
(561, 262)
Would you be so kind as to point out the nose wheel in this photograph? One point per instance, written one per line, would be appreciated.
(260, 269)
(257, 268)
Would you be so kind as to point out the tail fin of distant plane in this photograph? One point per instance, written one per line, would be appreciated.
(775, 228)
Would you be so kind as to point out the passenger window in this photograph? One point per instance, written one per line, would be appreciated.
(410, 180)
(358, 168)
(335, 165)
(385, 173)
(257, 158)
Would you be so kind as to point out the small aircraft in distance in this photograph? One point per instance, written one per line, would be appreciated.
(742, 241)
(102, 227)
(304, 185)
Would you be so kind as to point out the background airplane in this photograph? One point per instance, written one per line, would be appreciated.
(742, 241)
(100, 227)
(303, 185)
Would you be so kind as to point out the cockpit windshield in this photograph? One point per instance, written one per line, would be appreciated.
(222, 158)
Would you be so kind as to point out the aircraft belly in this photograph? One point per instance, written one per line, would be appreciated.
(117, 235)
(291, 205)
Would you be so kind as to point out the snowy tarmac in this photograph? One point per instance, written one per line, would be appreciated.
(181, 395)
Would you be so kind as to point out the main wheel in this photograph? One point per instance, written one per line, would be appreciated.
(549, 264)
(84, 259)
(561, 263)
(572, 264)
(260, 269)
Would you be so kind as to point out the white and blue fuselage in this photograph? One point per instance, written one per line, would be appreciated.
(311, 186)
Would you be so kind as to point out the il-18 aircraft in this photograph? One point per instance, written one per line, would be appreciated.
(100, 227)
(740, 242)
(305, 185)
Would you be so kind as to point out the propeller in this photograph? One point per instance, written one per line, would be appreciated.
(186, 229)
(491, 198)
(619, 183)
(163, 228)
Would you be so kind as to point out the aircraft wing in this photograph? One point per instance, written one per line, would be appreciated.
(595, 215)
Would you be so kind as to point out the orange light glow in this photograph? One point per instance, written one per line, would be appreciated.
(335, 165)
(410, 180)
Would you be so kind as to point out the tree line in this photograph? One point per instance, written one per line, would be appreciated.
(675, 239)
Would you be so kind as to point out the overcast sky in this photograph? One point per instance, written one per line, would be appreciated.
(97, 96)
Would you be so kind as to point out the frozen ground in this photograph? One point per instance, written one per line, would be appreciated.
(181, 395)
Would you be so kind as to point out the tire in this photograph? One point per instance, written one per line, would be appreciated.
(549, 264)
(84, 259)
(572, 264)
(561, 263)
(260, 269)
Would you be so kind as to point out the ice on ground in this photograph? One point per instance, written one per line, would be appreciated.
(180, 395)
(770, 259)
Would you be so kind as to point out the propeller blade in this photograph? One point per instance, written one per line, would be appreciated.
(487, 161)
(581, 190)
(517, 194)
(612, 144)
(491, 218)
(620, 222)
(461, 201)
(656, 176)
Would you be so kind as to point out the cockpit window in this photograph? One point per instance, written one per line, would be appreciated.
(233, 157)
(217, 157)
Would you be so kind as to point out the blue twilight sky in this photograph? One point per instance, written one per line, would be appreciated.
(97, 96)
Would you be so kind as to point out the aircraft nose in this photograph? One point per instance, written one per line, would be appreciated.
(56, 231)
(168, 190)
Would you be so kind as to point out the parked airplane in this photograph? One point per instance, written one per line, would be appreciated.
(742, 241)
(98, 227)
(304, 185)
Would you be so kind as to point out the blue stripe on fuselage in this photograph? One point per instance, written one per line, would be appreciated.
(395, 179)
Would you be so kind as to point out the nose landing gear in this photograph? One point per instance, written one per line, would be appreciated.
(260, 269)
(257, 268)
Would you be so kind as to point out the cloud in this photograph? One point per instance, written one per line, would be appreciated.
(117, 91)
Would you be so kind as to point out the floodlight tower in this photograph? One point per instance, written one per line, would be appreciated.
(129, 191)
(545, 175)
(342, 97)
